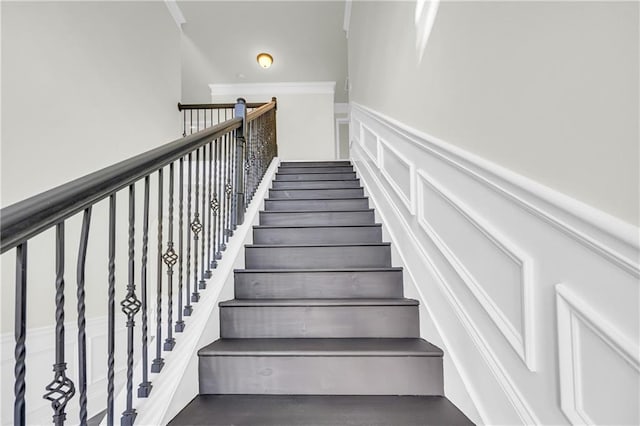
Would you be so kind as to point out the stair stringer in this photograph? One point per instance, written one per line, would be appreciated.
(177, 384)
(394, 230)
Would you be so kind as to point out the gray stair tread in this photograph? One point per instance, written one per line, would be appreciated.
(314, 163)
(350, 347)
(319, 410)
(237, 303)
(314, 211)
(315, 245)
(358, 225)
(262, 270)
(314, 199)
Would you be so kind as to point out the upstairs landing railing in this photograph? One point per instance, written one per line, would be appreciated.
(212, 176)
(196, 117)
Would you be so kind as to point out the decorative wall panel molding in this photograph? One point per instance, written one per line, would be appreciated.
(484, 248)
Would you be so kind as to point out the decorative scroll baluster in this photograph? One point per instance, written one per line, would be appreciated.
(228, 190)
(61, 389)
(170, 258)
(130, 307)
(215, 203)
(188, 309)
(144, 389)
(196, 227)
(203, 283)
(111, 309)
(82, 338)
(180, 321)
(210, 215)
(20, 334)
(158, 362)
(220, 191)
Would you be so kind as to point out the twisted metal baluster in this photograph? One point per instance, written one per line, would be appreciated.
(111, 308)
(130, 306)
(82, 338)
(188, 309)
(61, 389)
(158, 362)
(170, 258)
(20, 334)
(214, 204)
(180, 322)
(209, 214)
(203, 283)
(144, 389)
(196, 227)
(220, 200)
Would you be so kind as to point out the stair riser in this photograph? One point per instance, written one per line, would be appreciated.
(319, 322)
(316, 184)
(339, 235)
(314, 163)
(322, 285)
(320, 375)
(317, 205)
(318, 218)
(316, 193)
(318, 257)
(323, 169)
(314, 176)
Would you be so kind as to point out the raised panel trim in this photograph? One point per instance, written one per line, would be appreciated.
(522, 343)
(572, 309)
(502, 377)
(375, 157)
(410, 201)
(607, 236)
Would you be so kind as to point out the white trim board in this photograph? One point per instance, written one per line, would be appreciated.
(271, 89)
(594, 228)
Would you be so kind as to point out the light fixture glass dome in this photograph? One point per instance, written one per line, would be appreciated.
(265, 60)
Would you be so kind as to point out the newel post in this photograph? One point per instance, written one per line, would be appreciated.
(240, 111)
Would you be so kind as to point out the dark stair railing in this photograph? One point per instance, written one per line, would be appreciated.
(228, 159)
(196, 117)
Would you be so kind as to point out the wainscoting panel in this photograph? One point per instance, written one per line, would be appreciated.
(483, 249)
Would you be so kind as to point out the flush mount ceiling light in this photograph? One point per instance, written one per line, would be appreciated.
(265, 60)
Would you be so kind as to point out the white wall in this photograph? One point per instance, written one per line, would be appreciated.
(305, 115)
(547, 89)
(222, 39)
(532, 295)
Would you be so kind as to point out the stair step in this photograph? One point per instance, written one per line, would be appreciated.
(316, 193)
(288, 177)
(314, 184)
(315, 410)
(299, 256)
(316, 169)
(297, 217)
(318, 283)
(321, 367)
(311, 204)
(317, 234)
(318, 318)
(315, 163)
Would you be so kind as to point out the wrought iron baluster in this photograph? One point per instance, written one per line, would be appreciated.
(210, 216)
(130, 307)
(215, 203)
(82, 337)
(232, 181)
(196, 227)
(61, 389)
(180, 321)
(225, 229)
(219, 190)
(170, 258)
(111, 308)
(190, 121)
(184, 122)
(158, 362)
(188, 309)
(20, 334)
(144, 388)
(203, 240)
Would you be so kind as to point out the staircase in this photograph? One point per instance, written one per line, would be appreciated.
(319, 332)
